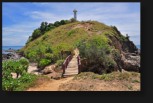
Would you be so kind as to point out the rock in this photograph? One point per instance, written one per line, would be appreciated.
(4, 56)
(10, 55)
(56, 76)
(131, 62)
(48, 69)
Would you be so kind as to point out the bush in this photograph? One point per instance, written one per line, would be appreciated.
(49, 56)
(19, 67)
(98, 54)
(40, 52)
(43, 63)
(32, 55)
(59, 62)
(18, 84)
(71, 32)
(72, 20)
(9, 84)
(25, 63)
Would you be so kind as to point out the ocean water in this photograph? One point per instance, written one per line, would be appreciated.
(11, 47)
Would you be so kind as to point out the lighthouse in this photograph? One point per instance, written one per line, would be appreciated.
(75, 14)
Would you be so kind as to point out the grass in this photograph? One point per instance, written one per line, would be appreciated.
(135, 81)
(125, 76)
(34, 82)
(66, 35)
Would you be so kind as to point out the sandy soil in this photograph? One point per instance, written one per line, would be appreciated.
(99, 85)
(33, 69)
(50, 85)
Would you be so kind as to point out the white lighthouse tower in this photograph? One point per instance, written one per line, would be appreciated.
(75, 14)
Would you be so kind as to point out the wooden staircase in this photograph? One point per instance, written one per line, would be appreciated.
(72, 67)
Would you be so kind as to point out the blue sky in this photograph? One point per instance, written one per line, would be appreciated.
(20, 19)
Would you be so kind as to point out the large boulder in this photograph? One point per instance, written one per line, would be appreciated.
(48, 69)
(131, 62)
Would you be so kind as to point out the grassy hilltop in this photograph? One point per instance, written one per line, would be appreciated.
(98, 43)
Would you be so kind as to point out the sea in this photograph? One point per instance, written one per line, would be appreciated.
(10, 47)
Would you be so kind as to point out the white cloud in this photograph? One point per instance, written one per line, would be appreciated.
(47, 16)
(18, 34)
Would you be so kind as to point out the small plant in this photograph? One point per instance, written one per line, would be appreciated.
(123, 76)
(43, 63)
(129, 87)
(106, 77)
(25, 63)
(135, 81)
(45, 37)
(59, 62)
(71, 32)
(49, 56)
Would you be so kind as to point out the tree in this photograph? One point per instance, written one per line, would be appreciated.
(50, 26)
(72, 20)
(29, 39)
(62, 22)
(43, 27)
(57, 23)
(36, 34)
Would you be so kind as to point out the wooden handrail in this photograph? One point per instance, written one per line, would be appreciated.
(79, 63)
(65, 63)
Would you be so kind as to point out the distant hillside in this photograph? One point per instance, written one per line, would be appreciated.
(96, 41)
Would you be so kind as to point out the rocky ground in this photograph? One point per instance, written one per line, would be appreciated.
(10, 54)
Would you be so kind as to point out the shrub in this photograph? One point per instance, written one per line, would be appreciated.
(18, 84)
(97, 53)
(59, 62)
(25, 63)
(9, 84)
(32, 55)
(71, 32)
(18, 66)
(43, 63)
(72, 20)
(45, 37)
(49, 56)
(39, 52)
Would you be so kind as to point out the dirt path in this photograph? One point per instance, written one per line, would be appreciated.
(51, 85)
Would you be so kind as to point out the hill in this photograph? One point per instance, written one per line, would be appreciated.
(102, 48)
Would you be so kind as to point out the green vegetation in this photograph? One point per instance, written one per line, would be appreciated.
(97, 51)
(59, 62)
(44, 27)
(43, 63)
(126, 76)
(20, 68)
(16, 66)
(93, 43)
